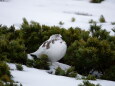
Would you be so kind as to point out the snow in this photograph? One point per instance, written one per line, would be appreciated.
(62, 66)
(55, 65)
(51, 12)
(37, 77)
(96, 73)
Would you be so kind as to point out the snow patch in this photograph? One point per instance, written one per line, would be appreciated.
(37, 77)
(50, 12)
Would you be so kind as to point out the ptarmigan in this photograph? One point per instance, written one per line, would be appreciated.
(55, 48)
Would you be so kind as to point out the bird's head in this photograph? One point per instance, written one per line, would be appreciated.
(56, 36)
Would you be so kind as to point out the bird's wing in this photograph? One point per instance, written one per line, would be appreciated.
(40, 51)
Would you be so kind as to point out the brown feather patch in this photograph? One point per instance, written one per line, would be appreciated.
(61, 42)
(48, 45)
(53, 41)
(44, 44)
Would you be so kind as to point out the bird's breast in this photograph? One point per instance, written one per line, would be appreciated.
(56, 51)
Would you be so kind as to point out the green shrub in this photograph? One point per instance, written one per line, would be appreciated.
(4, 69)
(87, 83)
(1, 83)
(31, 34)
(19, 67)
(72, 74)
(113, 23)
(3, 57)
(59, 71)
(102, 19)
(3, 47)
(30, 63)
(113, 29)
(89, 77)
(71, 69)
(69, 72)
(11, 84)
(4, 72)
(87, 50)
(96, 31)
(73, 19)
(6, 78)
(109, 74)
(96, 1)
(21, 85)
(92, 21)
(17, 51)
(42, 62)
(61, 23)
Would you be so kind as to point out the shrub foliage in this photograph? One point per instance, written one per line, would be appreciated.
(69, 72)
(102, 19)
(87, 50)
(42, 62)
(19, 67)
(4, 72)
(87, 83)
(96, 1)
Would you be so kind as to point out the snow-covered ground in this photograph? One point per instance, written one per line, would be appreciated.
(36, 77)
(50, 12)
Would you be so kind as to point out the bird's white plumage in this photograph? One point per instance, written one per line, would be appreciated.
(55, 48)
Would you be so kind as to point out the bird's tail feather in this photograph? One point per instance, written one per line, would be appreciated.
(34, 56)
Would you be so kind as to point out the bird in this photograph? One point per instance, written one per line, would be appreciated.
(55, 48)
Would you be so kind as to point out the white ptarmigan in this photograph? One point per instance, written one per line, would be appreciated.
(55, 48)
